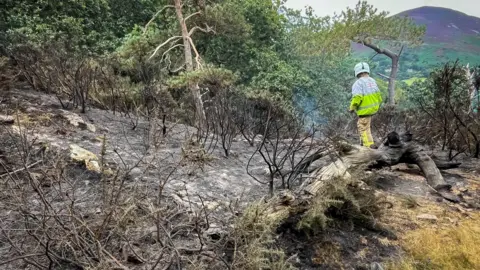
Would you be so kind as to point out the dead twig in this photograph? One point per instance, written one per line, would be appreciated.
(22, 169)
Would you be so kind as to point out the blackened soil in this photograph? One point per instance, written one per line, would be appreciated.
(342, 246)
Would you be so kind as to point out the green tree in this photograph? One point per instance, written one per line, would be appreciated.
(91, 26)
(386, 35)
(246, 32)
(316, 48)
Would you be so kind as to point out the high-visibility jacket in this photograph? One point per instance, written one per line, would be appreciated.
(366, 97)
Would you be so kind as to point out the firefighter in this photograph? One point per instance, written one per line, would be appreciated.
(366, 100)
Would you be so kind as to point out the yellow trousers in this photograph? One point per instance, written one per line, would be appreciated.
(363, 126)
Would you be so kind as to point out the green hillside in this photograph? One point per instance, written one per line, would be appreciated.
(450, 35)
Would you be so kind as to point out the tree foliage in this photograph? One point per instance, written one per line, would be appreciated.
(302, 57)
(365, 24)
(85, 25)
(383, 34)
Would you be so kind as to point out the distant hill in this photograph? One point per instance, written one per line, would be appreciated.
(450, 35)
(444, 25)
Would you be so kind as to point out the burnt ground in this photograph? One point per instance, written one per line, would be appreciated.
(222, 181)
(343, 246)
(348, 245)
(219, 179)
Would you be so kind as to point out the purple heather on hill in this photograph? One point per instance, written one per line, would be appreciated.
(444, 24)
(454, 29)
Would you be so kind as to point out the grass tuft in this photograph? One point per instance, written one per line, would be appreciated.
(447, 248)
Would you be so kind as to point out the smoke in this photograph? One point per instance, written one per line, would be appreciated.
(308, 107)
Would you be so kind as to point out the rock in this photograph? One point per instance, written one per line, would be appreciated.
(108, 172)
(88, 158)
(31, 110)
(36, 176)
(260, 171)
(363, 241)
(6, 120)
(77, 121)
(80, 154)
(87, 126)
(376, 266)
(136, 172)
(427, 217)
(72, 118)
(93, 166)
(212, 205)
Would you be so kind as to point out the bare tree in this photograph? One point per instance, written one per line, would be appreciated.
(248, 120)
(448, 117)
(51, 70)
(221, 117)
(285, 146)
(188, 45)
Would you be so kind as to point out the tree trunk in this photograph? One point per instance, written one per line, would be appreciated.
(415, 155)
(387, 155)
(392, 79)
(187, 49)
(395, 57)
(350, 160)
(472, 89)
(186, 42)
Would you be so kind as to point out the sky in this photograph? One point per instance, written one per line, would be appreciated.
(328, 7)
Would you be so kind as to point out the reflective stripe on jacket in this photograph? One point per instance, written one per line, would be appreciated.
(366, 97)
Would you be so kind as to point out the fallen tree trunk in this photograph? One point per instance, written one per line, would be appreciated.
(394, 151)
(443, 165)
(353, 158)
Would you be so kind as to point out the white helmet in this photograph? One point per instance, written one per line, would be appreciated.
(361, 67)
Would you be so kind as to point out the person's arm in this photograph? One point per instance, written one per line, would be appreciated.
(357, 96)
